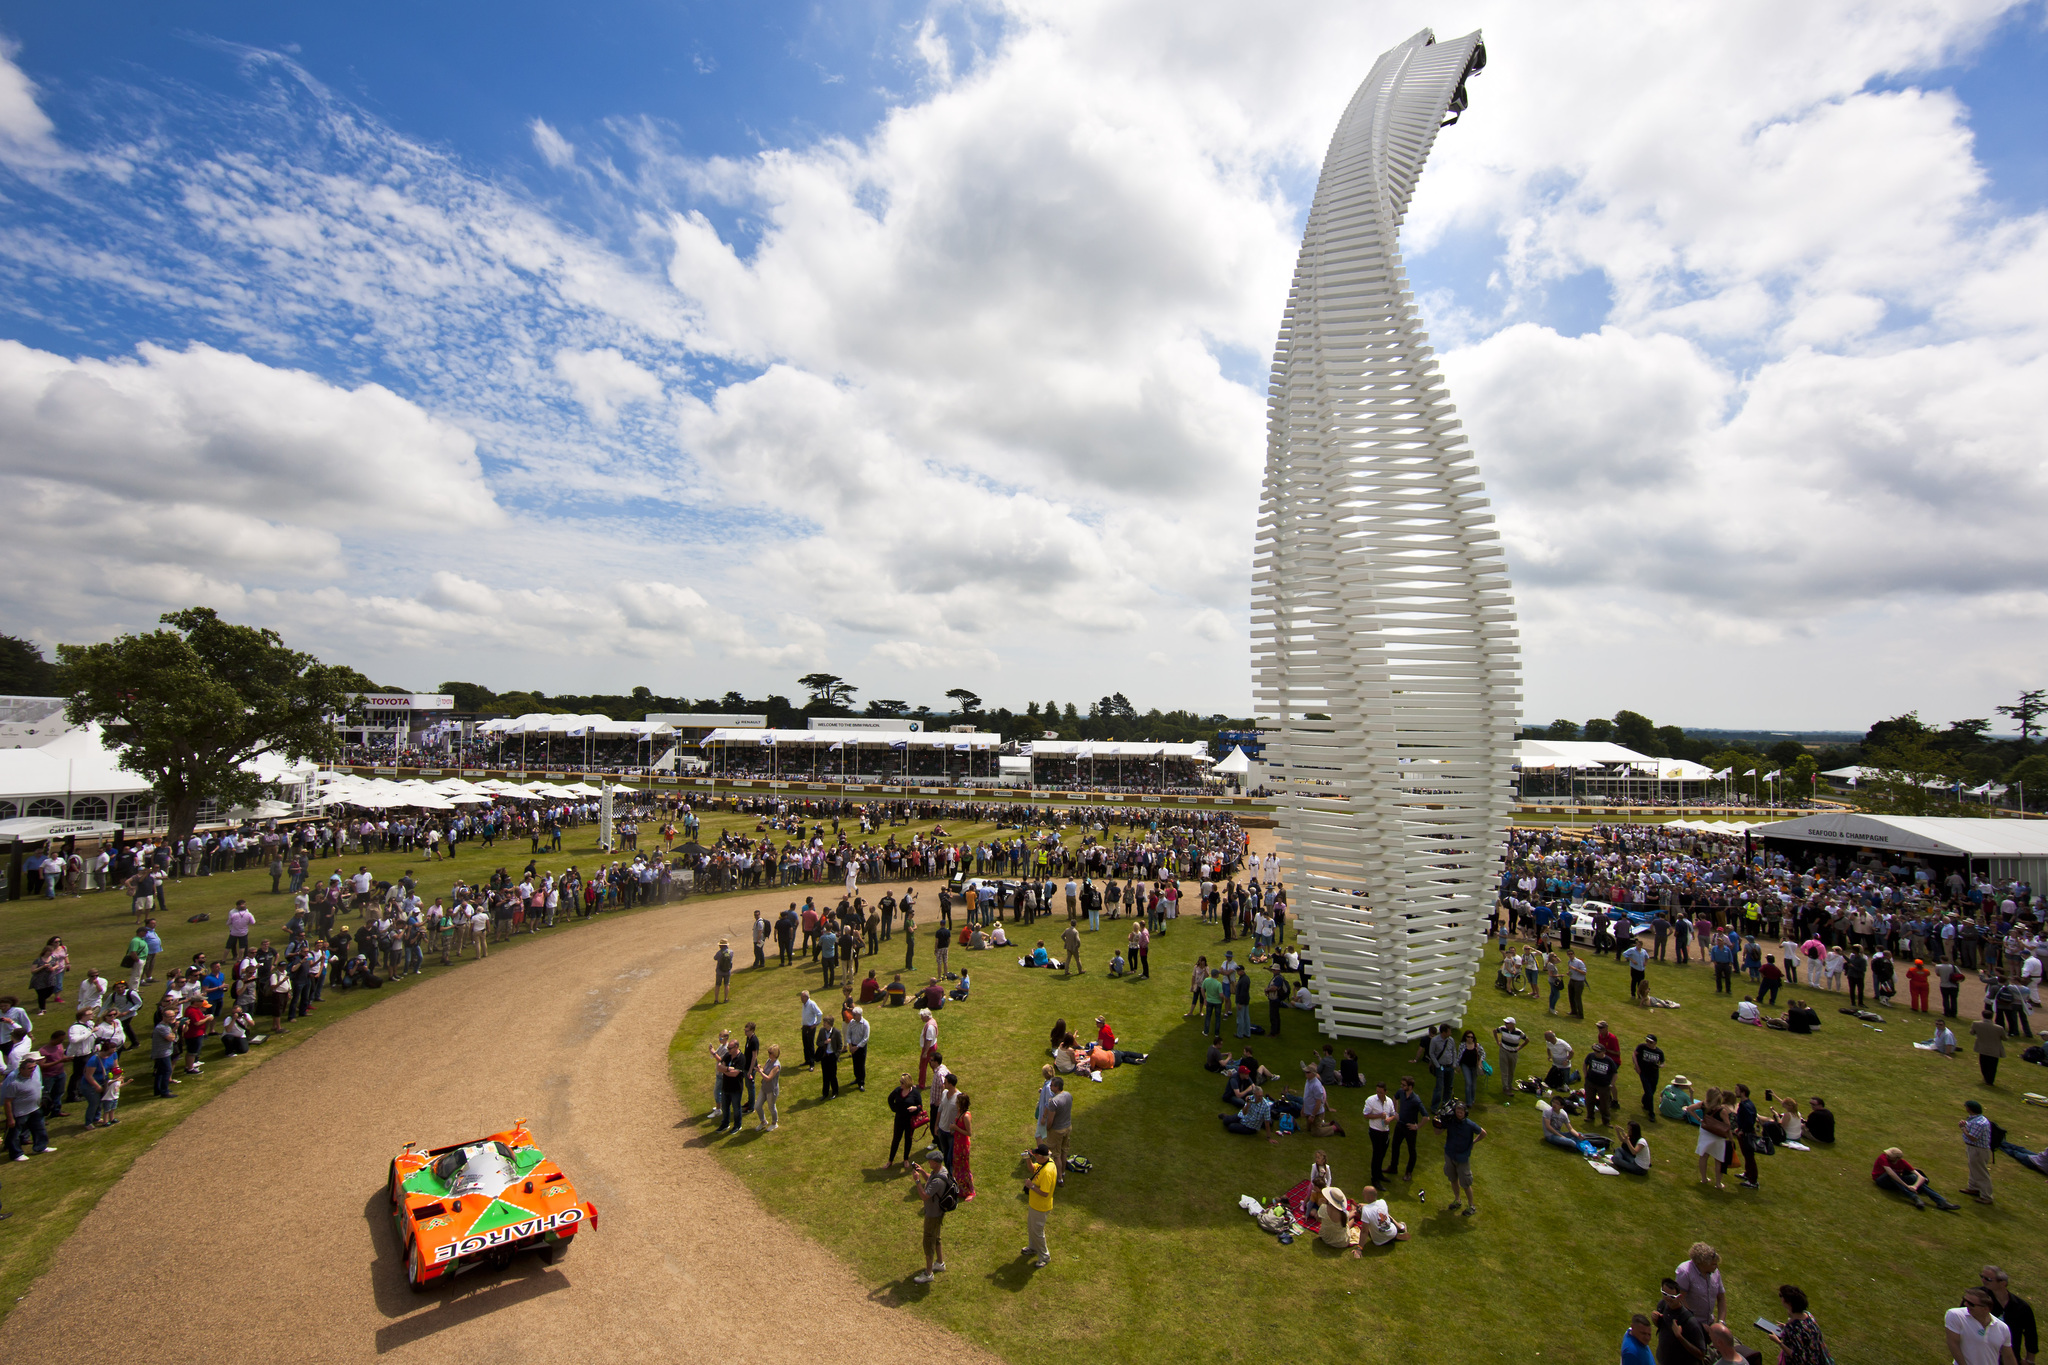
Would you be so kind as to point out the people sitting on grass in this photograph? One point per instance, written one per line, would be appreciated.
(1820, 1121)
(1218, 1060)
(895, 991)
(870, 989)
(1801, 1017)
(1559, 1132)
(1748, 1012)
(959, 992)
(996, 937)
(1783, 1124)
(1116, 964)
(1253, 1118)
(1347, 1069)
(1038, 957)
(1893, 1172)
(1675, 1100)
(1632, 1156)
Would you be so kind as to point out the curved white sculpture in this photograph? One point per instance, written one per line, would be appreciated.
(1383, 633)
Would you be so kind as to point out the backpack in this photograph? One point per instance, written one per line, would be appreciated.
(1080, 1165)
(949, 1197)
(1998, 1135)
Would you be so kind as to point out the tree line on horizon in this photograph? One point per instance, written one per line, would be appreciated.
(194, 702)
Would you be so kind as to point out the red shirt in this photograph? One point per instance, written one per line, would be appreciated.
(1105, 1037)
(1610, 1045)
(1887, 1163)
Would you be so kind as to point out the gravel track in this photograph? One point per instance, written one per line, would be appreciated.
(259, 1228)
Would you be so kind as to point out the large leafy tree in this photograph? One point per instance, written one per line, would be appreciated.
(190, 705)
(24, 672)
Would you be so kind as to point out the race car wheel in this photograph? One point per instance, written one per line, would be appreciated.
(412, 1268)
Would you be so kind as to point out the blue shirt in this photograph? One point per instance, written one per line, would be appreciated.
(1633, 1352)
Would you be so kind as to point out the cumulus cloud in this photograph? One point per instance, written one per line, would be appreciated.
(604, 378)
(238, 434)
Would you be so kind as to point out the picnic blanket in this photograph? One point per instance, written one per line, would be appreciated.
(1302, 1203)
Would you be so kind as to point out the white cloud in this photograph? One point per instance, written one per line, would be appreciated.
(973, 395)
(554, 149)
(603, 378)
(28, 139)
(232, 433)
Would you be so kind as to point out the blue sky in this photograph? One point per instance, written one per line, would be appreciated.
(927, 343)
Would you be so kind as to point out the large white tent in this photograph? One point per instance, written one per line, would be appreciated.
(1234, 764)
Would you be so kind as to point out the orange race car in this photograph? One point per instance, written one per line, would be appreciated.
(479, 1202)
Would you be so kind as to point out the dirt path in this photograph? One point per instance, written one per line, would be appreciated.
(258, 1229)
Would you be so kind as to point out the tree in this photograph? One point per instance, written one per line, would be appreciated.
(827, 689)
(2031, 771)
(1671, 742)
(1562, 729)
(470, 697)
(2028, 710)
(1886, 732)
(1031, 711)
(25, 673)
(887, 707)
(1634, 730)
(192, 704)
(968, 702)
(1599, 730)
(1913, 778)
(1786, 752)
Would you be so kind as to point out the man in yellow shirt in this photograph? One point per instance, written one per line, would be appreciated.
(1044, 1179)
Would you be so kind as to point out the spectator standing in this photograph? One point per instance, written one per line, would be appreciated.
(1578, 986)
(1649, 1065)
(810, 1018)
(858, 1031)
(163, 1047)
(1070, 939)
(906, 1103)
(830, 1043)
(1635, 1342)
(1408, 1117)
(1510, 1041)
(1977, 1150)
(1975, 1335)
(1381, 1114)
(1059, 1128)
(1989, 1036)
(1681, 1336)
(767, 1110)
(721, 983)
(22, 1097)
(1460, 1132)
(1038, 1189)
(2014, 1311)
(1698, 1278)
(937, 1187)
(945, 1108)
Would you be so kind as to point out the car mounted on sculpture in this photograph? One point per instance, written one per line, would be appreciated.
(480, 1203)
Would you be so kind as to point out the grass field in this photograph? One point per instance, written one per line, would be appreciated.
(1152, 1259)
(47, 1196)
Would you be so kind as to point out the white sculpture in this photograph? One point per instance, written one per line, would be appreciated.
(1383, 633)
